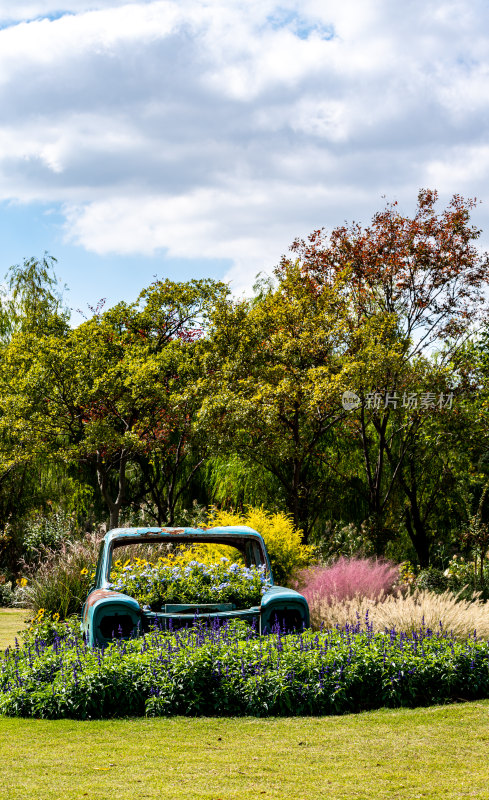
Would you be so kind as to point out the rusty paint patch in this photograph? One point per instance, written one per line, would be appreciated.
(99, 594)
(93, 597)
(172, 531)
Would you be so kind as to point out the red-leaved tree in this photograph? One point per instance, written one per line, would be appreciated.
(415, 285)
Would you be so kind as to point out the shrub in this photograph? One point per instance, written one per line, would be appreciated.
(6, 592)
(348, 578)
(284, 542)
(465, 572)
(43, 532)
(348, 540)
(231, 671)
(155, 584)
(407, 613)
(432, 580)
(59, 583)
(461, 576)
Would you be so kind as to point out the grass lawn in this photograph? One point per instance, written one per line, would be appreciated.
(11, 621)
(429, 753)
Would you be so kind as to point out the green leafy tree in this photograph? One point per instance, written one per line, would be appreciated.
(274, 387)
(114, 394)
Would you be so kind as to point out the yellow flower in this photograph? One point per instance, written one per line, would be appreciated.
(21, 581)
(126, 563)
(118, 563)
(84, 571)
(56, 617)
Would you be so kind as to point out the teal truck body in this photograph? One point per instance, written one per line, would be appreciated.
(109, 614)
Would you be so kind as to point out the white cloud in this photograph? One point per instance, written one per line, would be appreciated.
(44, 42)
(225, 128)
(465, 167)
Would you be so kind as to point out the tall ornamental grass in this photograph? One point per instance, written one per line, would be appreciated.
(346, 579)
(422, 609)
(60, 580)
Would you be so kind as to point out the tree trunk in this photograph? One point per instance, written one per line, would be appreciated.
(418, 535)
(103, 471)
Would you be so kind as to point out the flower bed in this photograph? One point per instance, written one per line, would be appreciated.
(231, 671)
(155, 584)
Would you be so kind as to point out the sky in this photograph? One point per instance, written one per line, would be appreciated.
(198, 138)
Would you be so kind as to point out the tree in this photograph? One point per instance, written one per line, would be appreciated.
(471, 366)
(274, 387)
(32, 302)
(426, 269)
(420, 282)
(112, 393)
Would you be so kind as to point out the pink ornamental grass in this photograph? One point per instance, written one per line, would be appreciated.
(348, 578)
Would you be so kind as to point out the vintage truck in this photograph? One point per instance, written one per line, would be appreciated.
(109, 613)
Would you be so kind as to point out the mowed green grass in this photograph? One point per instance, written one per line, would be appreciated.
(428, 753)
(12, 620)
(439, 752)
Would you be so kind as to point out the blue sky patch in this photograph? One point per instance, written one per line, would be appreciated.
(52, 17)
(302, 27)
(32, 229)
